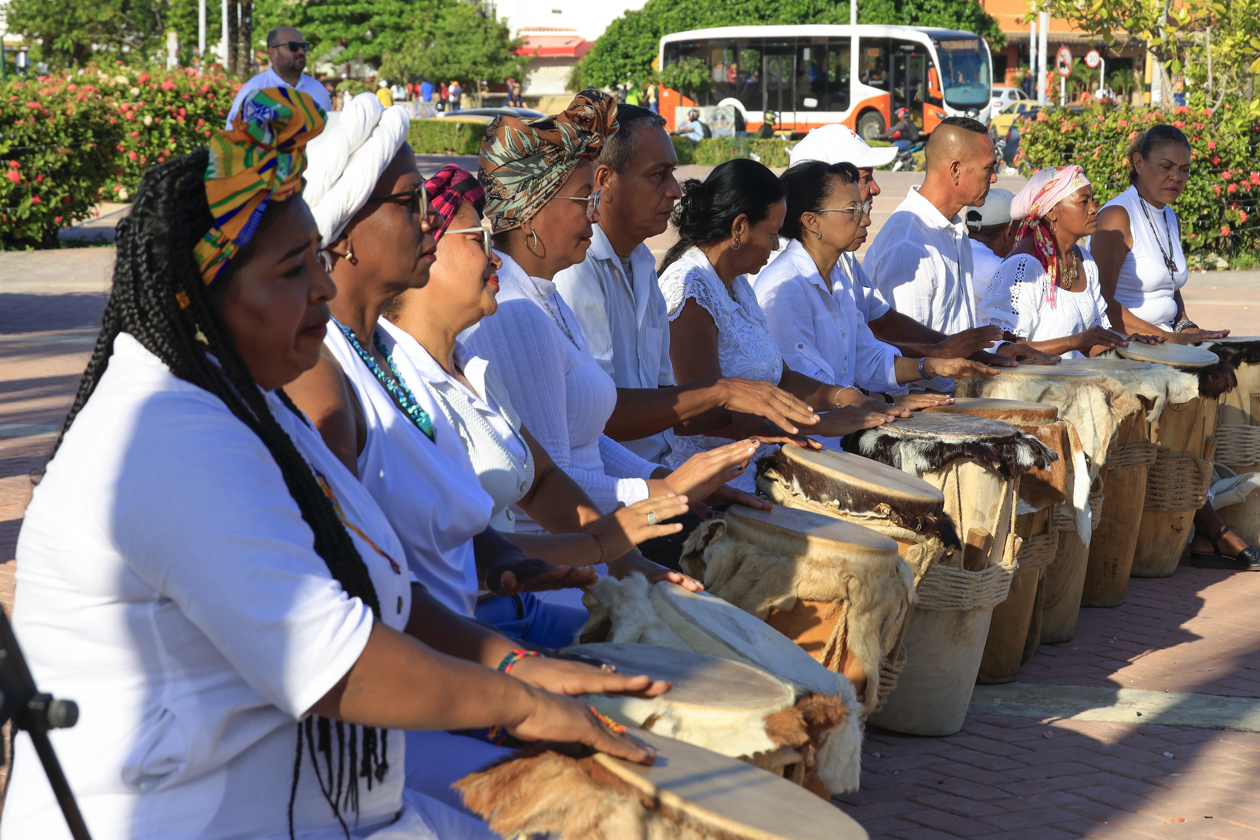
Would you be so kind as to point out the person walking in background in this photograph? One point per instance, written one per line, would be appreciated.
(444, 98)
(456, 95)
(426, 90)
(288, 52)
(384, 94)
(651, 100)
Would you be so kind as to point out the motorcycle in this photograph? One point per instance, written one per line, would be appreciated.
(904, 161)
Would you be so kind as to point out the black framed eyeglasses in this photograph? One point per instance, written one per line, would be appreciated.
(416, 199)
(487, 235)
(294, 46)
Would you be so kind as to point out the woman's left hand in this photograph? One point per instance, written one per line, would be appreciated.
(915, 402)
(1195, 336)
(1148, 339)
(563, 676)
(954, 368)
(654, 572)
(726, 494)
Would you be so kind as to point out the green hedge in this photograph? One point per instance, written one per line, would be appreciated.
(446, 136)
(1218, 210)
(715, 150)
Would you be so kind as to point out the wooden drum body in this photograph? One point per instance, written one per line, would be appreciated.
(1015, 629)
(976, 464)
(633, 612)
(839, 590)
(1238, 431)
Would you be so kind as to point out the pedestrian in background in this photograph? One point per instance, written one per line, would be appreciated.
(456, 94)
(444, 97)
(426, 90)
(384, 94)
(288, 52)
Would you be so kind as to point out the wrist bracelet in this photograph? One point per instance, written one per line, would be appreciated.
(515, 656)
(601, 547)
(836, 399)
(1187, 324)
(922, 372)
(888, 399)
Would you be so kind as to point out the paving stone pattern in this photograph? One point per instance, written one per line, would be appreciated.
(1196, 632)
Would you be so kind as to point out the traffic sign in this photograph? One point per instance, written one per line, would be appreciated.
(1063, 61)
(1092, 59)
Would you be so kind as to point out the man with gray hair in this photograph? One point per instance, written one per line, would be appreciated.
(614, 294)
(288, 52)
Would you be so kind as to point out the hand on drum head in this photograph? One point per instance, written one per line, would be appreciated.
(843, 421)
(726, 495)
(915, 402)
(626, 527)
(564, 676)
(984, 357)
(763, 431)
(551, 717)
(773, 404)
(1195, 336)
(703, 473)
(532, 575)
(955, 368)
(1026, 355)
(1096, 337)
(965, 343)
(654, 572)
(1147, 339)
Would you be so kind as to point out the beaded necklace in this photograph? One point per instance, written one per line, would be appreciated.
(402, 395)
(560, 321)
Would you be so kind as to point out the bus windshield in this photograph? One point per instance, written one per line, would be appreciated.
(964, 71)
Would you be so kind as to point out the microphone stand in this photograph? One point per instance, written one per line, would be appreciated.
(37, 713)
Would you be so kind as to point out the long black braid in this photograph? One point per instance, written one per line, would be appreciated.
(154, 266)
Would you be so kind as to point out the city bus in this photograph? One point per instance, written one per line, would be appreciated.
(817, 75)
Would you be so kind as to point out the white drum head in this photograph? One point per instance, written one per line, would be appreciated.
(1177, 355)
(854, 541)
(1042, 370)
(893, 484)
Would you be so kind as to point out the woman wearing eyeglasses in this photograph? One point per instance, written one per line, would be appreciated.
(510, 465)
(822, 335)
(539, 179)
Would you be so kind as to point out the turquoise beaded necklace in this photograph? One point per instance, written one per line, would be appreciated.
(393, 384)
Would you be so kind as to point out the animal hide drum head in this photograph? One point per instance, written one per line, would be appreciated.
(1104, 363)
(1041, 370)
(1023, 412)
(794, 524)
(821, 472)
(1178, 355)
(732, 796)
(945, 427)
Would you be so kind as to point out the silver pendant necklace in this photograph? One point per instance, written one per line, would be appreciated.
(1169, 262)
(558, 321)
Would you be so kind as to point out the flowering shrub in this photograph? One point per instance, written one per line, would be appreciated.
(1218, 211)
(56, 153)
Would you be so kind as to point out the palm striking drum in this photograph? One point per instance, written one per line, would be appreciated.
(839, 590)
(1015, 629)
(976, 464)
(666, 615)
(689, 793)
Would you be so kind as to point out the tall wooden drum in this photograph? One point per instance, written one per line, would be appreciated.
(1177, 484)
(1015, 630)
(1091, 569)
(976, 463)
(838, 590)
(1238, 430)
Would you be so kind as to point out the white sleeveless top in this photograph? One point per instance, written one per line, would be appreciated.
(1144, 285)
(428, 490)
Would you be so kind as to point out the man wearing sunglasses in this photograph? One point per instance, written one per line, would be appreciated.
(288, 52)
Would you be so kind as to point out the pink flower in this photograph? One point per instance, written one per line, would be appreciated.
(168, 85)
(1255, 178)
(1242, 215)
(39, 179)
(1179, 124)
(135, 134)
(1225, 228)
(1215, 160)
(15, 177)
(132, 155)
(144, 77)
(1231, 189)
(1212, 145)
(1122, 123)
(13, 164)
(35, 199)
(1207, 112)
(1227, 174)
(1216, 188)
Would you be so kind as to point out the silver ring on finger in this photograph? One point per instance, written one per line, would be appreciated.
(651, 515)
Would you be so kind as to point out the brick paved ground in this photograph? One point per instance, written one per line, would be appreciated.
(1000, 777)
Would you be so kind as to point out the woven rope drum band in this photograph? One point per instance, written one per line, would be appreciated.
(1132, 455)
(1177, 481)
(889, 672)
(949, 589)
(1237, 445)
(1038, 552)
(1065, 518)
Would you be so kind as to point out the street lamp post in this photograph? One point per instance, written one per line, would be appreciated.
(201, 30)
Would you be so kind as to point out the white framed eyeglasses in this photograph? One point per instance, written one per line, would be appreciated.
(856, 210)
(487, 235)
(592, 202)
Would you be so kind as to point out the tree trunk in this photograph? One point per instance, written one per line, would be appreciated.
(245, 39)
(233, 38)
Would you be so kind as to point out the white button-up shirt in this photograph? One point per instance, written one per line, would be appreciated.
(921, 261)
(821, 334)
(849, 278)
(269, 78)
(625, 324)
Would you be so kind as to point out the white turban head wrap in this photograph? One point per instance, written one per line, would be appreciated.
(357, 145)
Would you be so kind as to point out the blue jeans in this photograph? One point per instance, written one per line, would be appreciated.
(901, 145)
(528, 618)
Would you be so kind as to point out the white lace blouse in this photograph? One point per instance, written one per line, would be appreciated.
(745, 347)
(1017, 301)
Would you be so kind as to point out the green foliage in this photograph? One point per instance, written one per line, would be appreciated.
(689, 76)
(182, 17)
(460, 42)
(67, 30)
(625, 52)
(1218, 210)
(446, 136)
(56, 152)
(715, 150)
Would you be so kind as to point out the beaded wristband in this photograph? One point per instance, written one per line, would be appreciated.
(515, 656)
(601, 547)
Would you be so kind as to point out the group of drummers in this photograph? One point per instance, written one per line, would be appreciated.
(356, 450)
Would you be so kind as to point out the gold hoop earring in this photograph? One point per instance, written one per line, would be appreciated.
(533, 248)
(735, 247)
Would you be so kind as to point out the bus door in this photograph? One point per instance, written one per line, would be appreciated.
(778, 79)
(909, 79)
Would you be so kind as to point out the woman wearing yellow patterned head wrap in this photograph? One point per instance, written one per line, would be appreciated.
(201, 567)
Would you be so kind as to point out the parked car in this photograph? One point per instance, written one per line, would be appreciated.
(488, 114)
(1003, 96)
(1001, 123)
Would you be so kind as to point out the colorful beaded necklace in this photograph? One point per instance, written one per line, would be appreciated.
(393, 384)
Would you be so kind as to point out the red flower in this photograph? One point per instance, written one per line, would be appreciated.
(131, 155)
(1212, 144)
(144, 77)
(35, 199)
(1179, 124)
(1242, 215)
(1225, 228)
(57, 219)
(39, 179)
(135, 134)
(13, 164)
(1216, 188)
(15, 177)
(1227, 174)
(1231, 189)
(1215, 160)
(1207, 112)
(168, 85)
(1255, 178)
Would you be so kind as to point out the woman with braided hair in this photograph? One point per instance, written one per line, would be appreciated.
(202, 574)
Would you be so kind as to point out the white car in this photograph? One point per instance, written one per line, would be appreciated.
(1003, 96)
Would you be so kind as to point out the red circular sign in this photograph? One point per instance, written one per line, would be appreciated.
(1064, 61)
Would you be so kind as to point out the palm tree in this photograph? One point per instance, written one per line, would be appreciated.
(1123, 81)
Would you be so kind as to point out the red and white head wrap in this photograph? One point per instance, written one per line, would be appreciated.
(1044, 190)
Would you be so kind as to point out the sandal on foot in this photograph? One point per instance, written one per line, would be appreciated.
(1248, 560)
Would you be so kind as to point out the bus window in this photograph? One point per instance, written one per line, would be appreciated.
(964, 72)
(909, 76)
(873, 62)
(811, 75)
(779, 75)
(838, 74)
(740, 74)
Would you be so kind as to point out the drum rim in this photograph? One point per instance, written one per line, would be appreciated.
(879, 547)
(1040, 370)
(911, 423)
(960, 405)
(1134, 350)
(927, 493)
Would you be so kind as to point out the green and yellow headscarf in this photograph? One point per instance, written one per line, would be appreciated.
(259, 160)
(523, 163)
